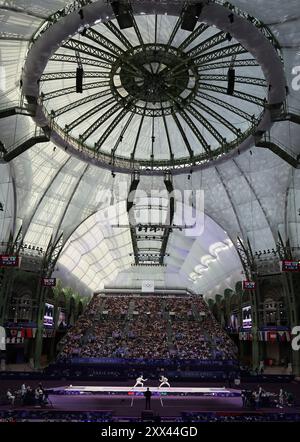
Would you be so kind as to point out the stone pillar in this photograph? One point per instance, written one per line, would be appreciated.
(256, 356)
(256, 353)
(289, 282)
(39, 333)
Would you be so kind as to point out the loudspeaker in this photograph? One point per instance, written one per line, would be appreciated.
(79, 80)
(190, 17)
(231, 81)
(122, 13)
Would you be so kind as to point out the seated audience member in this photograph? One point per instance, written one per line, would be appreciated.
(11, 398)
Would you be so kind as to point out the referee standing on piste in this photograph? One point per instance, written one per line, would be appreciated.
(148, 395)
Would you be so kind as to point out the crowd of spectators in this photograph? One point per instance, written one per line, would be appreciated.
(238, 417)
(55, 416)
(26, 395)
(147, 327)
(107, 416)
(260, 398)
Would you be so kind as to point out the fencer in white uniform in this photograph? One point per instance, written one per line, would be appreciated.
(163, 381)
(140, 382)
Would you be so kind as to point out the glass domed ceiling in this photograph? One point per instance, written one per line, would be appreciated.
(154, 93)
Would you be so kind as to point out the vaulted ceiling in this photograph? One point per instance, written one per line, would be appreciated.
(251, 192)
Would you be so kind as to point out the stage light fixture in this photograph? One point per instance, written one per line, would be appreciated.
(79, 80)
(231, 17)
(231, 81)
(122, 13)
(190, 17)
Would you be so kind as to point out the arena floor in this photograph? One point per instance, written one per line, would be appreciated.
(93, 396)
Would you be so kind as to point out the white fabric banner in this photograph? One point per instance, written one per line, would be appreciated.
(148, 286)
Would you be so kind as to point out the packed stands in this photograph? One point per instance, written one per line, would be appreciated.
(147, 327)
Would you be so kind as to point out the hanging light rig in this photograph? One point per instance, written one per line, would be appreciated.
(231, 77)
(79, 74)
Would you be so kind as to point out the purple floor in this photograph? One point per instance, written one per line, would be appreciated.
(124, 406)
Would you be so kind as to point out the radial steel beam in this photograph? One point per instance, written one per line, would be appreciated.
(227, 64)
(168, 136)
(11, 36)
(85, 61)
(237, 94)
(184, 137)
(89, 114)
(238, 79)
(120, 36)
(233, 206)
(70, 90)
(136, 29)
(195, 34)
(174, 31)
(210, 42)
(180, 104)
(85, 48)
(9, 7)
(100, 39)
(69, 202)
(228, 51)
(101, 120)
(195, 129)
(155, 30)
(216, 134)
(138, 132)
(80, 102)
(223, 104)
(112, 127)
(170, 216)
(70, 75)
(217, 116)
(120, 139)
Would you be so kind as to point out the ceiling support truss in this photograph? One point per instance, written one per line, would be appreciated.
(89, 114)
(241, 95)
(238, 79)
(218, 117)
(85, 61)
(227, 64)
(85, 48)
(71, 75)
(113, 125)
(71, 90)
(93, 127)
(80, 102)
(223, 104)
(215, 40)
(116, 31)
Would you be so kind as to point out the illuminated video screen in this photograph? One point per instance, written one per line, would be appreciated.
(247, 318)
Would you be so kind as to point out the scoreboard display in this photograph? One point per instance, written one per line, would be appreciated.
(48, 282)
(290, 266)
(247, 317)
(249, 285)
(9, 261)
